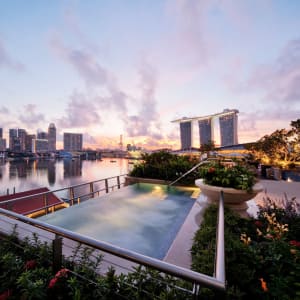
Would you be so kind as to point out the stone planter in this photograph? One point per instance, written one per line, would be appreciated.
(233, 198)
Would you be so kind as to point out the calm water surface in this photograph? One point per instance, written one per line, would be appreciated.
(54, 174)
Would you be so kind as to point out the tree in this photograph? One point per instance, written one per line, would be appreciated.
(280, 147)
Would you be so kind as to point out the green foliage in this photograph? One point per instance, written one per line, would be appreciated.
(30, 276)
(165, 166)
(234, 176)
(262, 255)
(281, 147)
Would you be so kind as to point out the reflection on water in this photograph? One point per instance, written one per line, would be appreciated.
(142, 217)
(25, 175)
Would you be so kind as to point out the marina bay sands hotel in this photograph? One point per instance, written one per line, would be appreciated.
(228, 120)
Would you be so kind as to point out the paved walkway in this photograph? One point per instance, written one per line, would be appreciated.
(179, 252)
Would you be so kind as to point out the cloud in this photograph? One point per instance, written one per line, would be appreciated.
(280, 81)
(7, 61)
(30, 117)
(107, 96)
(146, 122)
(80, 112)
(4, 110)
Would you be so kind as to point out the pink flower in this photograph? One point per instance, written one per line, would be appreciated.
(30, 264)
(269, 236)
(62, 273)
(52, 282)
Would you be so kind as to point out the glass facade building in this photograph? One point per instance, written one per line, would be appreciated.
(228, 129)
(52, 138)
(205, 131)
(73, 141)
(186, 135)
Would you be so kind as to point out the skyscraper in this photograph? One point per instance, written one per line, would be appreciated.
(22, 137)
(14, 141)
(52, 137)
(228, 128)
(186, 135)
(205, 131)
(1, 133)
(73, 141)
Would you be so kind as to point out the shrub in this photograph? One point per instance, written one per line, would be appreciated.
(234, 176)
(262, 256)
(165, 166)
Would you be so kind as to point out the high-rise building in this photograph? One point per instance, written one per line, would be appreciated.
(186, 135)
(28, 142)
(73, 141)
(39, 146)
(52, 137)
(22, 137)
(1, 133)
(14, 142)
(42, 135)
(2, 144)
(228, 128)
(205, 131)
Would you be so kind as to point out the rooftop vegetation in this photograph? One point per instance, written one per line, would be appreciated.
(281, 148)
(165, 166)
(262, 254)
(234, 175)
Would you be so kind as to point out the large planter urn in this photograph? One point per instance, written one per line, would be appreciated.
(233, 198)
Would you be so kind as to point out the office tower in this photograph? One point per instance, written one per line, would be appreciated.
(1, 133)
(205, 131)
(22, 137)
(39, 146)
(186, 135)
(28, 142)
(72, 141)
(52, 137)
(42, 135)
(2, 144)
(228, 128)
(14, 143)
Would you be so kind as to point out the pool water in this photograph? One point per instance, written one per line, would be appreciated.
(143, 217)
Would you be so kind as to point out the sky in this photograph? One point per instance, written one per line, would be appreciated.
(111, 68)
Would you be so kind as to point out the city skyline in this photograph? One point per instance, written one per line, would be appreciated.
(106, 69)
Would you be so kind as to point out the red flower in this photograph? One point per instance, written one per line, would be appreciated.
(52, 282)
(258, 224)
(295, 243)
(211, 170)
(30, 265)
(5, 295)
(62, 273)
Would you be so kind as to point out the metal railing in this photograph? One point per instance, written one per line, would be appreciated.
(71, 195)
(188, 172)
(216, 282)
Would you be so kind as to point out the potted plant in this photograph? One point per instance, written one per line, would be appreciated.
(237, 181)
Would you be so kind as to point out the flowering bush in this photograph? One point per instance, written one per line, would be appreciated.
(235, 176)
(262, 253)
(26, 272)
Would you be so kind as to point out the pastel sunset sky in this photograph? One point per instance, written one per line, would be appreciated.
(106, 68)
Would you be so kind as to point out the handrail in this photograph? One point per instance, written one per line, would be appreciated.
(188, 172)
(215, 282)
(58, 190)
(220, 242)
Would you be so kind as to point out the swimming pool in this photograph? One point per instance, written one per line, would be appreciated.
(142, 217)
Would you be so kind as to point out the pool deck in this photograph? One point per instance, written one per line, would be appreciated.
(179, 252)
